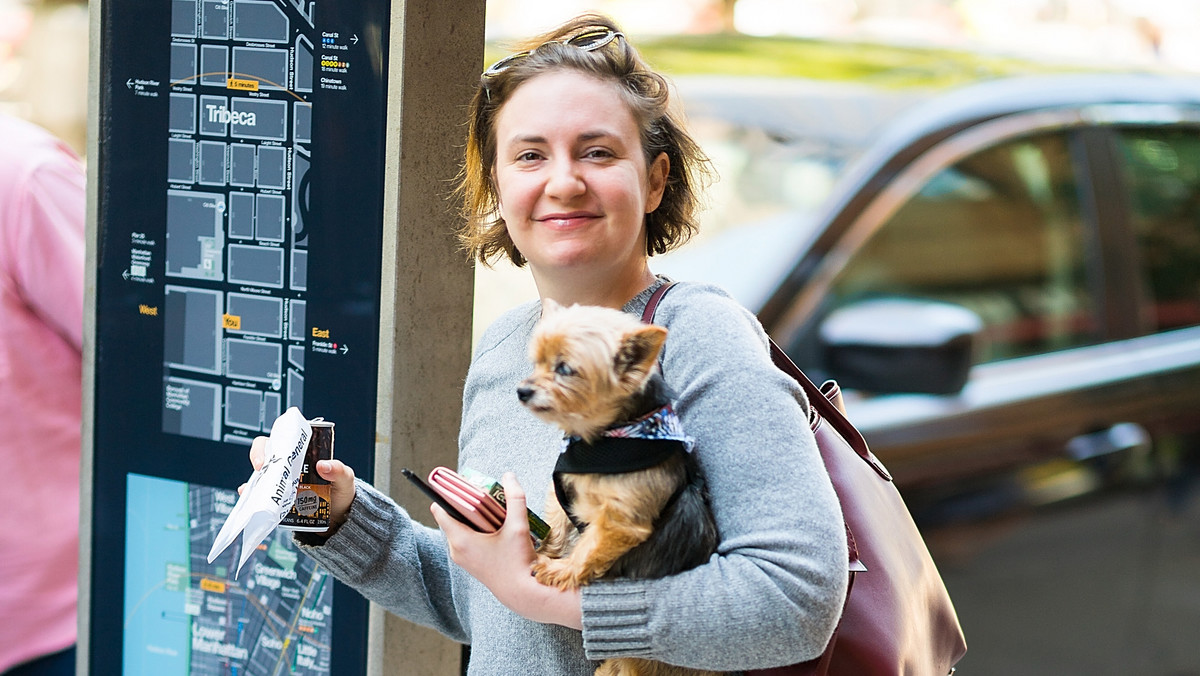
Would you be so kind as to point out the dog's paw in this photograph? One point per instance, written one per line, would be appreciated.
(557, 573)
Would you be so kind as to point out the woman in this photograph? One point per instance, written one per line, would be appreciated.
(576, 168)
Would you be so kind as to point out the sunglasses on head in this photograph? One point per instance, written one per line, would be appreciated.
(588, 41)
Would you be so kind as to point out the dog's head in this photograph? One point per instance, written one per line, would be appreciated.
(589, 366)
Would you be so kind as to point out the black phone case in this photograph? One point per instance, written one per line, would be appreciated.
(433, 495)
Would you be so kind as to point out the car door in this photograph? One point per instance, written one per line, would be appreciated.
(1040, 485)
(998, 225)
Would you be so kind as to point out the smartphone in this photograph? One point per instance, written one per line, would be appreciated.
(437, 498)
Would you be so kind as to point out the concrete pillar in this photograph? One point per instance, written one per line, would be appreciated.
(436, 57)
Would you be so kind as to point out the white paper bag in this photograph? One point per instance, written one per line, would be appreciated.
(270, 491)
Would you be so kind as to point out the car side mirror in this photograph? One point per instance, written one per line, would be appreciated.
(899, 345)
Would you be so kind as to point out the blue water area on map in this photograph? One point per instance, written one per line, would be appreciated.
(157, 630)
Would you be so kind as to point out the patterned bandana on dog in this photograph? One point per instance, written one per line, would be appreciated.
(637, 445)
(643, 443)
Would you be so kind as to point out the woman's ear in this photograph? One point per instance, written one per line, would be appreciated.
(656, 181)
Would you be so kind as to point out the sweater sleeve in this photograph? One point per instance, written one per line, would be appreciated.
(391, 560)
(772, 593)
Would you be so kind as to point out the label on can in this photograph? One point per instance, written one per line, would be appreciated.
(312, 507)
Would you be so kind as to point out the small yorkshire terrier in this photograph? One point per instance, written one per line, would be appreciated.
(628, 500)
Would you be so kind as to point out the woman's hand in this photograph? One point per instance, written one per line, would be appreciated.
(503, 560)
(336, 472)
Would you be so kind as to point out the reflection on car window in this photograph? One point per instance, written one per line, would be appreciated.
(1000, 233)
(1162, 172)
(764, 174)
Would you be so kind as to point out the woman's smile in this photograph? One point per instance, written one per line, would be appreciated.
(572, 219)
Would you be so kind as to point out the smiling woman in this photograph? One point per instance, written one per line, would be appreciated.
(577, 168)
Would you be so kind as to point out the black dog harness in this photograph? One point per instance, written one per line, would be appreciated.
(641, 444)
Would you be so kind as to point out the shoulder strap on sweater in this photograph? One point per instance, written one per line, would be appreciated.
(652, 304)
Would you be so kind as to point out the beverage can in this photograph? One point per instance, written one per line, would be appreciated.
(312, 507)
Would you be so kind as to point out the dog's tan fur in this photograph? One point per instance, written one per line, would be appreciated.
(611, 353)
(619, 517)
(589, 365)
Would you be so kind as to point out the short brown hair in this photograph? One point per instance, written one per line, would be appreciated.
(485, 235)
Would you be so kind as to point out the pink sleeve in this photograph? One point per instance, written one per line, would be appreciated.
(45, 243)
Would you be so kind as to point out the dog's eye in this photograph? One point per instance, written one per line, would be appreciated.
(562, 369)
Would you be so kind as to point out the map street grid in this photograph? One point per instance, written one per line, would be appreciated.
(239, 128)
(236, 252)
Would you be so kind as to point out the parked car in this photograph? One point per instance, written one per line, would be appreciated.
(1007, 280)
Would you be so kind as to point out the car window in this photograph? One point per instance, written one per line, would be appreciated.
(1001, 233)
(765, 174)
(1162, 175)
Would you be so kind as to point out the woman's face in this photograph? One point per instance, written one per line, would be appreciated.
(571, 176)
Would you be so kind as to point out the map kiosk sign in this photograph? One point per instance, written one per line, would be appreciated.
(238, 236)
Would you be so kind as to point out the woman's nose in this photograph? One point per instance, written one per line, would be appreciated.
(565, 180)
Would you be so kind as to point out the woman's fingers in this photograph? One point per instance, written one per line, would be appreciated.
(336, 472)
(341, 494)
(502, 561)
(258, 455)
(514, 497)
(258, 452)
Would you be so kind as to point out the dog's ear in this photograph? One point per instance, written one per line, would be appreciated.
(639, 350)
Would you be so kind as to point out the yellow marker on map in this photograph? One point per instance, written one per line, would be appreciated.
(242, 85)
(212, 585)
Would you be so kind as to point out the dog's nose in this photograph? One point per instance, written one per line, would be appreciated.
(524, 393)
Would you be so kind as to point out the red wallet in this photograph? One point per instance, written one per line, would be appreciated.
(478, 507)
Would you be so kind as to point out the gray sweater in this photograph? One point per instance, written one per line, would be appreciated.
(772, 593)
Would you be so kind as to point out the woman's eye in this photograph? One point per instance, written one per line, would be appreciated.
(562, 369)
(528, 156)
(598, 153)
